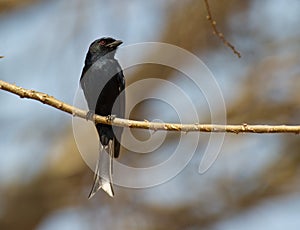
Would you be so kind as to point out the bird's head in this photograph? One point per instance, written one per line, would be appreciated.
(104, 47)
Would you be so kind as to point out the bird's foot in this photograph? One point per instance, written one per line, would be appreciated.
(110, 117)
(89, 116)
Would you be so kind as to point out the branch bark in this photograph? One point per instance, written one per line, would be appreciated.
(216, 31)
(53, 102)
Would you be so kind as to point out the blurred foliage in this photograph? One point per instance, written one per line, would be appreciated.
(8, 5)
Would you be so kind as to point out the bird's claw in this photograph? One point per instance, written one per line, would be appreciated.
(110, 117)
(89, 116)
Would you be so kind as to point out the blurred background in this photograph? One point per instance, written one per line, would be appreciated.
(254, 184)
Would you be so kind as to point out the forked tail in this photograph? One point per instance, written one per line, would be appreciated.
(103, 172)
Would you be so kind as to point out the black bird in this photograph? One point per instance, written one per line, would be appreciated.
(102, 81)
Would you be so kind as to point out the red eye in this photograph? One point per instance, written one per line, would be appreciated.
(102, 43)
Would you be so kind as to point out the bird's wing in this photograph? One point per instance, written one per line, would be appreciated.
(120, 111)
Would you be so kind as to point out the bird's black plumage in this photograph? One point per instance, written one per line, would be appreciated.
(102, 81)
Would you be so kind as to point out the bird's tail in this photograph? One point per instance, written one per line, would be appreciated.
(103, 172)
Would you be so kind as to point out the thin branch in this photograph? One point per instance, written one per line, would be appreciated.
(217, 32)
(51, 101)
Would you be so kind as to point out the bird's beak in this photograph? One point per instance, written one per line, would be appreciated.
(114, 44)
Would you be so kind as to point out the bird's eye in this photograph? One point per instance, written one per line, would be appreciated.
(102, 43)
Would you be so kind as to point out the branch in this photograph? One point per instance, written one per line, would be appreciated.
(216, 31)
(51, 101)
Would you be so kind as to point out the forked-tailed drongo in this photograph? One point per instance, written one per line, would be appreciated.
(102, 81)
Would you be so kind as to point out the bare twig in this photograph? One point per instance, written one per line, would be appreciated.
(217, 32)
(244, 128)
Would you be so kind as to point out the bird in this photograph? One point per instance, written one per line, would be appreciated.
(103, 83)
